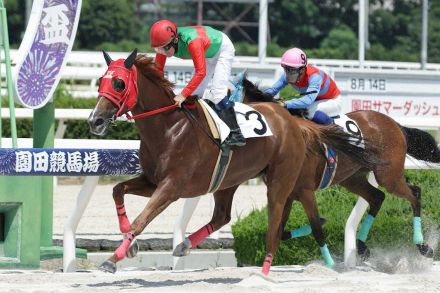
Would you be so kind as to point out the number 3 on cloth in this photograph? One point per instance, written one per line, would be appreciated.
(263, 128)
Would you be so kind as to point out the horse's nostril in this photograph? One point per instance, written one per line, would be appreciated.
(99, 122)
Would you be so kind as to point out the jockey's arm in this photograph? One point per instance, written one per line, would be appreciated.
(197, 52)
(304, 102)
(277, 86)
(159, 62)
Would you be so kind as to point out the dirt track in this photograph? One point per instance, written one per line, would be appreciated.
(312, 278)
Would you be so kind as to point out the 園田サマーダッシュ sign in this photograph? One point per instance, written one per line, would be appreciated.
(47, 42)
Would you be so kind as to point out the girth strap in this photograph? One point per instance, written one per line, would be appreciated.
(220, 168)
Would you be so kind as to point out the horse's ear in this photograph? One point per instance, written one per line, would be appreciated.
(238, 79)
(107, 57)
(130, 59)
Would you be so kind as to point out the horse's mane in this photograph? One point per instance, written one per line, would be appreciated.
(253, 94)
(147, 67)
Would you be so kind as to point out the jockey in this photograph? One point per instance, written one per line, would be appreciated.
(212, 53)
(320, 93)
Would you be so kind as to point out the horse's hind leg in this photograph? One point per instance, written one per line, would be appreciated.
(298, 232)
(307, 198)
(413, 194)
(138, 186)
(221, 216)
(359, 185)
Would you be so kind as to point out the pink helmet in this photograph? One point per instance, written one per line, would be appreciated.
(294, 58)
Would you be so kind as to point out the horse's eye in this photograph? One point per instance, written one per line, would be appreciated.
(118, 84)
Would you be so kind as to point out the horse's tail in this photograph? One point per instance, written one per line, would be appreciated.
(421, 145)
(340, 141)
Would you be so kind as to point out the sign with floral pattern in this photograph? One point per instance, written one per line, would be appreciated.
(69, 162)
(47, 42)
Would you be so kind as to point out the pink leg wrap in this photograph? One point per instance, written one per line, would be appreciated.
(123, 248)
(200, 235)
(124, 223)
(266, 264)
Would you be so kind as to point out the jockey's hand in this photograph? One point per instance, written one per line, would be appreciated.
(281, 103)
(179, 99)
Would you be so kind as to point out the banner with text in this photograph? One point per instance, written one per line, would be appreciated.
(396, 95)
(68, 162)
(43, 52)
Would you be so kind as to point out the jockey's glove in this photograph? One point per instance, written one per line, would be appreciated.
(179, 99)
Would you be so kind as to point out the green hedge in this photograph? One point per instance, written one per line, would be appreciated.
(392, 228)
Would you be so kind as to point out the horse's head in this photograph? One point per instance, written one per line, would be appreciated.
(118, 92)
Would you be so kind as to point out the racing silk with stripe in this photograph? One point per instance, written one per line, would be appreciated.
(196, 43)
(313, 80)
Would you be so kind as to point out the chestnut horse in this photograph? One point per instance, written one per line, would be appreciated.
(178, 156)
(392, 142)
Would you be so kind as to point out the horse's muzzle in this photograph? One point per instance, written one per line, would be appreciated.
(98, 125)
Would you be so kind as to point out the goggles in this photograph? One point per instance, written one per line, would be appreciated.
(293, 70)
(164, 49)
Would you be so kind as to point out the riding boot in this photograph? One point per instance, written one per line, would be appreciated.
(321, 117)
(225, 110)
(235, 137)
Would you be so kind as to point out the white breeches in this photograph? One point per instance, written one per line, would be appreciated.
(332, 107)
(214, 86)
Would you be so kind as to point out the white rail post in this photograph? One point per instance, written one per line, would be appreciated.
(69, 247)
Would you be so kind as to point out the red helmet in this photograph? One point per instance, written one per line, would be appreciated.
(162, 33)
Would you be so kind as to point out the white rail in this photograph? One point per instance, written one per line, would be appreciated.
(95, 59)
(84, 67)
(83, 114)
(62, 115)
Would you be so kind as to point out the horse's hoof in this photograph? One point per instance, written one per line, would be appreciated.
(425, 250)
(183, 248)
(108, 267)
(133, 249)
(363, 250)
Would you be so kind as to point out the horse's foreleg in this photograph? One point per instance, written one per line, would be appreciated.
(162, 197)
(138, 186)
(285, 217)
(221, 216)
(279, 186)
(275, 208)
(359, 185)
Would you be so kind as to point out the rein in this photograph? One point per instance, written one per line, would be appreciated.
(152, 112)
(170, 107)
(203, 129)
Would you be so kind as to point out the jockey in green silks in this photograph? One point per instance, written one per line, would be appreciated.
(212, 53)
